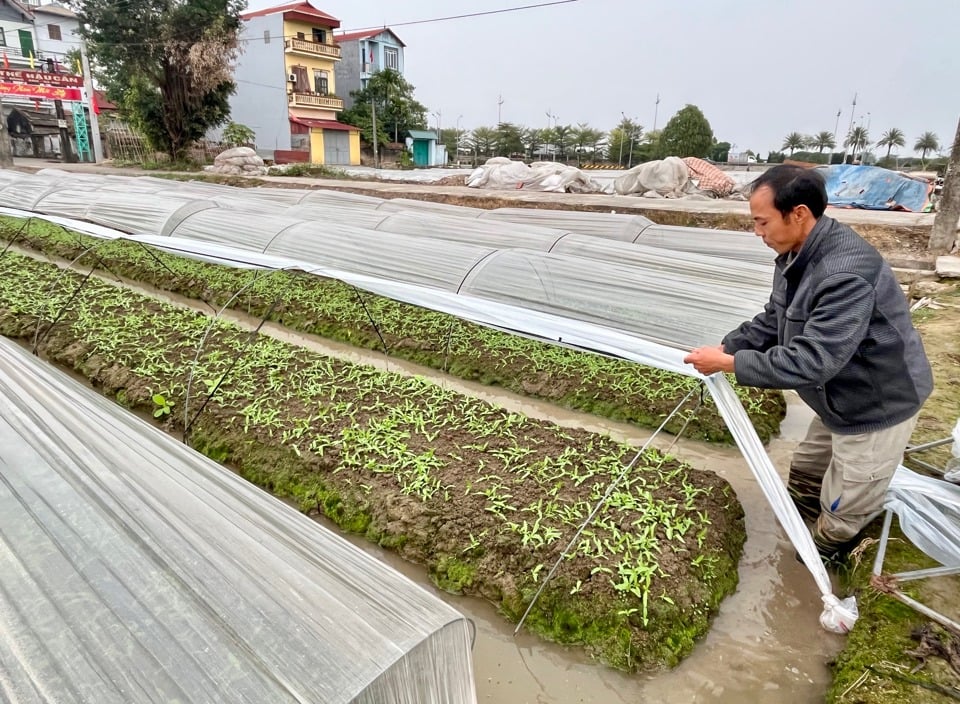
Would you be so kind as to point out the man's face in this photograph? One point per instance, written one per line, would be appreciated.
(781, 233)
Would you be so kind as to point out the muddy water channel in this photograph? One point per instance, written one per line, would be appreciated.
(765, 645)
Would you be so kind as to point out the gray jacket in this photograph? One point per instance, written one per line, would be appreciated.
(837, 329)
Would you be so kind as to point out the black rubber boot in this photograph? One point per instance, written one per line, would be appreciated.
(805, 492)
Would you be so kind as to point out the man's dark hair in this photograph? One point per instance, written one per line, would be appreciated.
(793, 186)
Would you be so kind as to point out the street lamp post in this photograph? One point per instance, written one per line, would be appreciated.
(459, 117)
(437, 115)
(551, 116)
(620, 158)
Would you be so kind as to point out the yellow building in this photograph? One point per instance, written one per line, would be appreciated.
(304, 127)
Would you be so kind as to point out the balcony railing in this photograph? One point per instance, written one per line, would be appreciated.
(315, 100)
(304, 46)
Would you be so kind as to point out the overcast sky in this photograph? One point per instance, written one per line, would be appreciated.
(758, 69)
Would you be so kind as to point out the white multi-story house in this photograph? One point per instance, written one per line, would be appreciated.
(57, 29)
(17, 40)
(286, 86)
(362, 55)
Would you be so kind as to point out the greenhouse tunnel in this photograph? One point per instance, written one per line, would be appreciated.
(136, 569)
(646, 290)
(633, 307)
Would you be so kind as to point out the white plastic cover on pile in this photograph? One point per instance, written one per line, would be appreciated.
(666, 177)
(502, 173)
(134, 569)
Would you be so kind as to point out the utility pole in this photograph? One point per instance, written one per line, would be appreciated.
(656, 109)
(373, 117)
(499, 105)
(6, 149)
(853, 110)
(944, 231)
(94, 120)
(835, 128)
(66, 154)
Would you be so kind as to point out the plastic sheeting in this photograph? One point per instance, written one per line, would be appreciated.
(681, 299)
(502, 173)
(875, 188)
(136, 570)
(929, 513)
(559, 329)
(667, 177)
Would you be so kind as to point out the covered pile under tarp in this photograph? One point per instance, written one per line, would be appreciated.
(875, 188)
(502, 173)
(133, 569)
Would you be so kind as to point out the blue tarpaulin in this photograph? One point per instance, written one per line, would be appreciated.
(875, 188)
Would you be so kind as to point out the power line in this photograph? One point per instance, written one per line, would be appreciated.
(460, 17)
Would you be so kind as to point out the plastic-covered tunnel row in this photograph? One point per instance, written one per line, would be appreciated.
(201, 586)
(666, 284)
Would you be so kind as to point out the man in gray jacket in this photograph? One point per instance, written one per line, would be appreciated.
(837, 329)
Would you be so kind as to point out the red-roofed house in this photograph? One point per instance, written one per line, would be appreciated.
(286, 87)
(363, 54)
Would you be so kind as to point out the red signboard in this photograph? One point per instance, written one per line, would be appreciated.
(40, 92)
(43, 77)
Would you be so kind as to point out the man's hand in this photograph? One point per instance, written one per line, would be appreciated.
(708, 360)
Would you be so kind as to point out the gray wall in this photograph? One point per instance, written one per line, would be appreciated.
(347, 71)
(260, 102)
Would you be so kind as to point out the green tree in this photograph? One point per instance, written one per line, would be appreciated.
(561, 139)
(534, 139)
(857, 140)
(893, 137)
(509, 139)
(649, 147)
(482, 141)
(823, 140)
(793, 142)
(168, 65)
(688, 133)
(927, 142)
(622, 139)
(586, 140)
(397, 111)
(720, 151)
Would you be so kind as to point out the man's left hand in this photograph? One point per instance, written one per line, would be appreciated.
(708, 360)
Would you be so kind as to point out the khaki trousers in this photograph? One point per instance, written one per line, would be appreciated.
(852, 473)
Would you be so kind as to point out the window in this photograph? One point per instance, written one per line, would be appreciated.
(301, 35)
(319, 36)
(391, 58)
(3, 38)
(321, 82)
(266, 36)
(54, 31)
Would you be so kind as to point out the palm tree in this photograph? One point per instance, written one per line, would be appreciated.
(793, 141)
(823, 140)
(893, 137)
(928, 142)
(858, 139)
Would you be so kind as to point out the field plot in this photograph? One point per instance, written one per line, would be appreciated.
(484, 498)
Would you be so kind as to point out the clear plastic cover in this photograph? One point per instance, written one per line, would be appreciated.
(137, 570)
